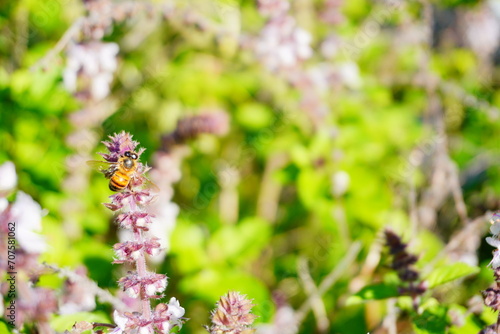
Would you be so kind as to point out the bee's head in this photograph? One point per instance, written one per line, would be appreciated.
(131, 155)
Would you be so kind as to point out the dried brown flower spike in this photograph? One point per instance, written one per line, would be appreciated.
(402, 262)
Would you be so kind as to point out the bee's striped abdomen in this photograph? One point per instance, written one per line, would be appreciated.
(118, 181)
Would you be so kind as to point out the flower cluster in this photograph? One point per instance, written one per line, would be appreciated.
(190, 127)
(285, 320)
(402, 262)
(495, 241)
(20, 224)
(282, 44)
(131, 203)
(492, 295)
(232, 315)
(167, 169)
(91, 64)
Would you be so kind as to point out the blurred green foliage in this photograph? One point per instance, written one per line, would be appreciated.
(167, 72)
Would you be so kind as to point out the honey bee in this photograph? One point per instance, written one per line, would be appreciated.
(122, 172)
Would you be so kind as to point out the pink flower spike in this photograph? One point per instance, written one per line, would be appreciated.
(132, 202)
(175, 309)
(152, 246)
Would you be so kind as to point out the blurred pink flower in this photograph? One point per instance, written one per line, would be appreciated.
(8, 177)
(331, 12)
(140, 284)
(77, 297)
(282, 44)
(273, 8)
(482, 30)
(28, 215)
(93, 62)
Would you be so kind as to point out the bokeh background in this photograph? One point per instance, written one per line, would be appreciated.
(309, 127)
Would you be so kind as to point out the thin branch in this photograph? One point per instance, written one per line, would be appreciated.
(329, 280)
(61, 44)
(456, 190)
(391, 318)
(103, 295)
(317, 304)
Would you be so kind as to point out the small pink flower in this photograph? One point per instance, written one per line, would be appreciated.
(155, 283)
(282, 44)
(152, 246)
(128, 251)
(495, 224)
(8, 177)
(168, 316)
(151, 284)
(495, 262)
(131, 284)
(28, 215)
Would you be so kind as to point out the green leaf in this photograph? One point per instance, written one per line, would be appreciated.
(310, 186)
(469, 323)
(445, 274)
(431, 321)
(375, 291)
(4, 328)
(254, 116)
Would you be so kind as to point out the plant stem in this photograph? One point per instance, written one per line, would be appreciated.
(142, 272)
(141, 267)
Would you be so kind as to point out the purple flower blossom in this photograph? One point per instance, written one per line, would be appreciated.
(134, 220)
(119, 144)
(402, 262)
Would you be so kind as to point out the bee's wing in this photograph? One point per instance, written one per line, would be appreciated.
(144, 182)
(149, 184)
(107, 168)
